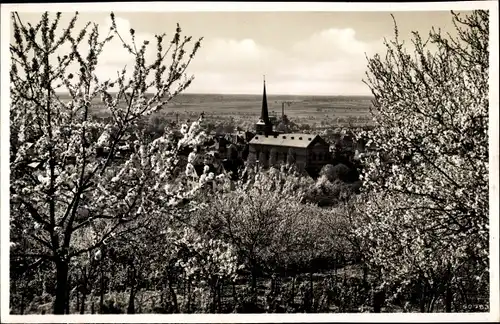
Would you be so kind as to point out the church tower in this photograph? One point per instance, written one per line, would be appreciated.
(264, 125)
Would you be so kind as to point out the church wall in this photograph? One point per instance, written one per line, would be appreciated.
(301, 154)
(282, 151)
(318, 156)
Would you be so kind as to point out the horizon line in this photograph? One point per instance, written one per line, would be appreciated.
(256, 94)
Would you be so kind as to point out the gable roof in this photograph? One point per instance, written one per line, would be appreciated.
(288, 140)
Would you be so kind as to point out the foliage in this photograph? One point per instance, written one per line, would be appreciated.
(340, 172)
(326, 193)
(337, 172)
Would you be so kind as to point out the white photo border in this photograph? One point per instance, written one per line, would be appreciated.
(492, 6)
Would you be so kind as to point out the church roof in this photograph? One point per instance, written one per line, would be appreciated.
(288, 140)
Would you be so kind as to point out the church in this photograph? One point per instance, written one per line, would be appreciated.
(308, 151)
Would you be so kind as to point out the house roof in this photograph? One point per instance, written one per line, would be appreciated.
(288, 140)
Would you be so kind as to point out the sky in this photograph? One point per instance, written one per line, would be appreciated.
(300, 53)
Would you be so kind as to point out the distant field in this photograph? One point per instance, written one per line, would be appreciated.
(303, 109)
(250, 105)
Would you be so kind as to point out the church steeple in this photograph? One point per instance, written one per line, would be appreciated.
(264, 114)
(264, 125)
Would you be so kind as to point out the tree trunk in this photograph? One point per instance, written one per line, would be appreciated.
(84, 297)
(213, 294)
(68, 296)
(77, 300)
(448, 292)
(449, 298)
(254, 282)
(378, 301)
(310, 302)
(365, 274)
(101, 297)
(184, 286)
(292, 292)
(432, 303)
(61, 286)
(378, 296)
(219, 296)
(162, 297)
(22, 302)
(189, 296)
(132, 279)
(131, 301)
(311, 283)
(422, 296)
(173, 294)
(235, 297)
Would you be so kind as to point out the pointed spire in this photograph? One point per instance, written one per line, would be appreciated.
(264, 115)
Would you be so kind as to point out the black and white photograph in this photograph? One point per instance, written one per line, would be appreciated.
(226, 161)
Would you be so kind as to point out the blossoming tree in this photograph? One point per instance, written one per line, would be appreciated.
(427, 220)
(264, 220)
(61, 190)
